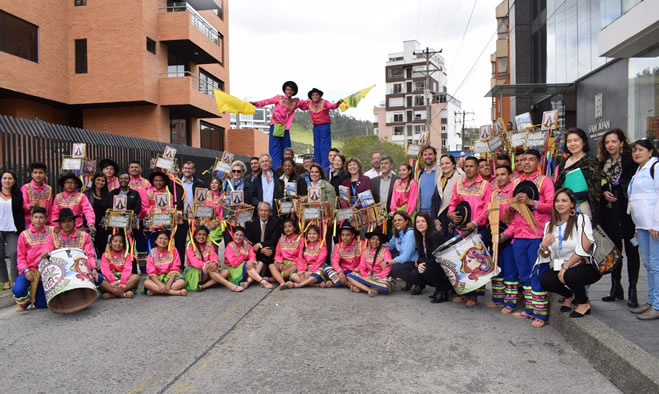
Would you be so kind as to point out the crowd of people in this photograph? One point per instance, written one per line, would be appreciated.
(616, 189)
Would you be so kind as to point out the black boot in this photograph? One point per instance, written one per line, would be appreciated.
(440, 297)
(616, 292)
(632, 298)
(417, 289)
(407, 287)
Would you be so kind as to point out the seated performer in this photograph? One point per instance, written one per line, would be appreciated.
(312, 257)
(72, 199)
(240, 260)
(374, 268)
(117, 267)
(286, 253)
(345, 257)
(31, 245)
(163, 269)
(204, 268)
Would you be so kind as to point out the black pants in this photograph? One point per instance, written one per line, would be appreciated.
(434, 276)
(100, 241)
(408, 272)
(180, 239)
(576, 279)
(633, 261)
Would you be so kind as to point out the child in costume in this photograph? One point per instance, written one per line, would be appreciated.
(281, 120)
(71, 198)
(320, 117)
(117, 266)
(110, 169)
(163, 269)
(204, 268)
(240, 259)
(286, 253)
(373, 277)
(345, 257)
(405, 191)
(312, 256)
(36, 193)
(31, 245)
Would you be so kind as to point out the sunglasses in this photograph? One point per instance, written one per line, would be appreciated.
(236, 171)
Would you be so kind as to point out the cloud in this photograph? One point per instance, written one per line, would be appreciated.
(342, 46)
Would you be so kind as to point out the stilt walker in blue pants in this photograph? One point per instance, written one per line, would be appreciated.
(280, 123)
(320, 117)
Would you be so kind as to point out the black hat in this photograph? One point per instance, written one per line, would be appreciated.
(70, 175)
(292, 84)
(314, 90)
(108, 163)
(377, 233)
(155, 174)
(529, 188)
(463, 209)
(345, 225)
(65, 213)
(502, 227)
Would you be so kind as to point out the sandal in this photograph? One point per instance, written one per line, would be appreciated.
(522, 315)
(355, 289)
(471, 302)
(537, 323)
(199, 289)
(507, 310)
(128, 294)
(6, 286)
(235, 289)
(182, 292)
(372, 293)
(244, 285)
(149, 293)
(265, 285)
(459, 299)
(493, 304)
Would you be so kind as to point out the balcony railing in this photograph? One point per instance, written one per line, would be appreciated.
(202, 85)
(196, 20)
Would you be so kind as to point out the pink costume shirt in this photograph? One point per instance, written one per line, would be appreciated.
(311, 257)
(79, 239)
(163, 262)
(33, 193)
(214, 199)
(235, 254)
(112, 182)
(477, 195)
(346, 257)
(405, 193)
(141, 186)
(113, 263)
(542, 214)
(367, 266)
(76, 202)
(283, 111)
(319, 111)
(503, 195)
(198, 258)
(288, 248)
(31, 245)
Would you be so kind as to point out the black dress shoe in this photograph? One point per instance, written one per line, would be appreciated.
(435, 294)
(407, 287)
(565, 308)
(576, 314)
(632, 298)
(416, 290)
(616, 292)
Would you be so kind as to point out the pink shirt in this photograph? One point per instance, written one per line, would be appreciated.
(346, 257)
(198, 258)
(214, 199)
(163, 262)
(503, 195)
(31, 245)
(76, 202)
(367, 266)
(79, 239)
(33, 193)
(312, 257)
(141, 186)
(112, 182)
(477, 195)
(235, 254)
(288, 248)
(283, 111)
(402, 194)
(116, 263)
(519, 228)
(319, 111)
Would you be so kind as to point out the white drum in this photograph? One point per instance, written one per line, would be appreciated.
(67, 281)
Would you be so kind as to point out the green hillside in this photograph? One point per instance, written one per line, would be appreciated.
(302, 140)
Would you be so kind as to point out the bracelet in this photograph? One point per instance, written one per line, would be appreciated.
(544, 252)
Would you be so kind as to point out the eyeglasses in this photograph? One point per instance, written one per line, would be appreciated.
(236, 171)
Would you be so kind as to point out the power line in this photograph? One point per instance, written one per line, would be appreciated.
(455, 58)
(439, 14)
(418, 19)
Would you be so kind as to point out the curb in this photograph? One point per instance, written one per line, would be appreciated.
(7, 300)
(629, 367)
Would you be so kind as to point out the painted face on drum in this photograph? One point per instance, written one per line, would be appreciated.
(201, 236)
(347, 236)
(399, 222)
(312, 236)
(117, 243)
(38, 220)
(162, 241)
(68, 225)
(562, 204)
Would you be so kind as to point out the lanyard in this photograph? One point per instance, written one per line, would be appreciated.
(560, 238)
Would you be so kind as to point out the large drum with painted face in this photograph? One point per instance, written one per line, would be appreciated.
(466, 262)
(67, 281)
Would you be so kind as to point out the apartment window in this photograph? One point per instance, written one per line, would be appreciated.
(176, 67)
(178, 130)
(211, 136)
(443, 127)
(81, 56)
(418, 101)
(443, 143)
(207, 82)
(419, 85)
(398, 130)
(420, 128)
(397, 88)
(18, 37)
(150, 45)
(259, 115)
(398, 117)
(395, 73)
(79, 2)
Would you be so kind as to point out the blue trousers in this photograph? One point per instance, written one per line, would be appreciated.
(525, 253)
(499, 282)
(322, 142)
(277, 146)
(649, 249)
(21, 292)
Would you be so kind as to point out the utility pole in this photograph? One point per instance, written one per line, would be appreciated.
(428, 54)
(463, 113)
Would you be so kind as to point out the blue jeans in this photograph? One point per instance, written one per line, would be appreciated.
(649, 249)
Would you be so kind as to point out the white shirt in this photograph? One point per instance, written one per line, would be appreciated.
(643, 201)
(6, 216)
(563, 251)
(372, 173)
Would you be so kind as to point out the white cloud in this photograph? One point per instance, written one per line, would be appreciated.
(342, 46)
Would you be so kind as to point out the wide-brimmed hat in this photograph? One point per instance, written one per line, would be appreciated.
(157, 173)
(464, 210)
(293, 86)
(70, 175)
(65, 213)
(529, 188)
(345, 225)
(315, 90)
(108, 163)
(377, 233)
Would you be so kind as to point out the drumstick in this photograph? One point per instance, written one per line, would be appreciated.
(33, 286)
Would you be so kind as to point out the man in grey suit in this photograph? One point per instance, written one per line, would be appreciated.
(383, 184)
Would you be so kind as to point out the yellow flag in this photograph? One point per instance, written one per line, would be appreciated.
(352, 100)
(228, 103)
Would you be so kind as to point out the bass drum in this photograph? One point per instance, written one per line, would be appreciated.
(67, 281)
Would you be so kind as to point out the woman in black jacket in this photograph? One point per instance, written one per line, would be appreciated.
(12, 223)
(97, 195)
(289, 176)
(427, 240)
(338, 172)
(618, 167)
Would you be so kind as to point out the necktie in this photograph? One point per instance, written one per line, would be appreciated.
(262, 231)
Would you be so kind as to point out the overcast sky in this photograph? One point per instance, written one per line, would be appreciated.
(341, 46)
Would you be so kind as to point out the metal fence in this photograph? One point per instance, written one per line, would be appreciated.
(24, 141)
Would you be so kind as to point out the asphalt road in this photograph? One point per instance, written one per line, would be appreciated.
(301, 340)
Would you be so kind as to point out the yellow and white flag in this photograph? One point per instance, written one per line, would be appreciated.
(354, 99)
(228, 103)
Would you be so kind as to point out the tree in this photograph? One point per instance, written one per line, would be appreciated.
(363, 147)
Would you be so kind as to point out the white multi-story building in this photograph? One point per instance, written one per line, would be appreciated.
(403, 117)
(260, 120)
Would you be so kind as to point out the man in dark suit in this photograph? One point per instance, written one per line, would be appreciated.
(263, 232)
(190, 185)
(266, 187)
(383, 184)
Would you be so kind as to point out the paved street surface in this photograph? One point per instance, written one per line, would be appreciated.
(304, 340)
